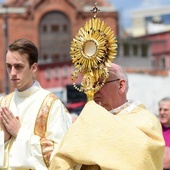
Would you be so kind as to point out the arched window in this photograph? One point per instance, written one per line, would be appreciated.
(54, 33)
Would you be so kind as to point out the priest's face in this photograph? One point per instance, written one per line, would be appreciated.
(112, 94)
(19, 70)
(164, 113)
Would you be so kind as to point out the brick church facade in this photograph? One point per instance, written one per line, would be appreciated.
(51, 25)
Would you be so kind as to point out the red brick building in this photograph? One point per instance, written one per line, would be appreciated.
(51, 25)
(160, 49)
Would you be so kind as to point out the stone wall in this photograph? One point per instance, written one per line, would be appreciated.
(148, 89)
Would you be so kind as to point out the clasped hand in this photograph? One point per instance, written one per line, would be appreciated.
(9, 123)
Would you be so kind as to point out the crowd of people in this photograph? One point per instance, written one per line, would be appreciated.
(37, 132)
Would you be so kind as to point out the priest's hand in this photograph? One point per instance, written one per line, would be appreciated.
(11, 123)
(7, 134)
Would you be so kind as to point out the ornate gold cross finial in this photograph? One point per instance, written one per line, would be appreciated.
(95, 9)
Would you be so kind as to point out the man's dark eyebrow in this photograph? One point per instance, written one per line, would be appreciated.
(20, 64)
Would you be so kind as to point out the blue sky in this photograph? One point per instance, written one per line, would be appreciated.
(125, 7)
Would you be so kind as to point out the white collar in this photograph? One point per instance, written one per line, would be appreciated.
(120, 108)
(128, 106)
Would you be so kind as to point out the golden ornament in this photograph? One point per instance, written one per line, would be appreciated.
(92, 51)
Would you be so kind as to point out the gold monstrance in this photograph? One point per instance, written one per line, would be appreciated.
(92, 51)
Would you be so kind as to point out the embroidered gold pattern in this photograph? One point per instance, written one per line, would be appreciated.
(41, 126)
(47, 147)
(5, 101)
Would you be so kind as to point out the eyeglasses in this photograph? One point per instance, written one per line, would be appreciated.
(112, 81)
(100, 83)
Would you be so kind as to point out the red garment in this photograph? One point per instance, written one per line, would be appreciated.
(166, 135)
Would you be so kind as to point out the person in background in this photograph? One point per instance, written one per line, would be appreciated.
(32, 120)
(164, 117)
(112, 133)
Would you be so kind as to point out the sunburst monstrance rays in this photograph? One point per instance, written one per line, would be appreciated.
(92, 50)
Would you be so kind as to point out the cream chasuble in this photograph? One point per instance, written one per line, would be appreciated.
(25, 151)
(130, 140)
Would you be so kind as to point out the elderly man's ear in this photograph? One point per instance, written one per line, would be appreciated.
(122, 85)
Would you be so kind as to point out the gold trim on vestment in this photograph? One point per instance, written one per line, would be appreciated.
(47, 146)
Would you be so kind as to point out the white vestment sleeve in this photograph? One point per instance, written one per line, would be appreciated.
(58, 123)
(24, 158)
(2, 148)
(3, 151)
